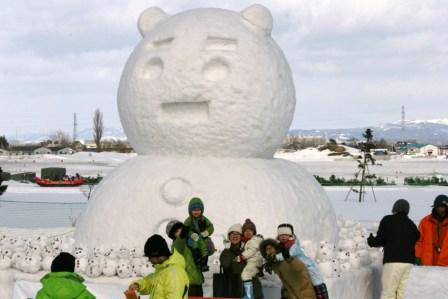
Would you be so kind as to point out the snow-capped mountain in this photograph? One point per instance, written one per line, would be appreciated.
(425, 131)
(85, 134)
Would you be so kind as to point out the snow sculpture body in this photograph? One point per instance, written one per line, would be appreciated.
(205, 99)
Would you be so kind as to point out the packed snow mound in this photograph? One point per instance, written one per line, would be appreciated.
(146, 192)
(308, 154)
(316, 155)
(111, 157)
(350, 269)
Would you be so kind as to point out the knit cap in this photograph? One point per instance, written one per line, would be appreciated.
(235, 228)
(156, 246)
(172, 227)
(248, 224)
(285, 229)
(401, 206)
(440, 201)
(64, 262)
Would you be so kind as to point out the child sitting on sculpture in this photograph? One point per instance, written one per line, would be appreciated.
(200, 229)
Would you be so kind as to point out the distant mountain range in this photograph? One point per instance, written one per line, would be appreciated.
(85, 134)
(424, 131)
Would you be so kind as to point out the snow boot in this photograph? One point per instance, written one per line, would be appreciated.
(204, 264)
(248, 290)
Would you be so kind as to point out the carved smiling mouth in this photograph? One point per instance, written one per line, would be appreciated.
(185, 111)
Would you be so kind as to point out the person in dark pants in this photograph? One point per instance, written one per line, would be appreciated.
(228, 259)
(177, 232)
(397, 234)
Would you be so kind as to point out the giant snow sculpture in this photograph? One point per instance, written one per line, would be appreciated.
(205, 99)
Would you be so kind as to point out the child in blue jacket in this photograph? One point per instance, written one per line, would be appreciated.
(290, 246)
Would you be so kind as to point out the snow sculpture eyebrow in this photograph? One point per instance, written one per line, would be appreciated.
(163, 43)
(215, 43)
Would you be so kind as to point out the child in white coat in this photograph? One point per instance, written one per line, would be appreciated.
(252, 256)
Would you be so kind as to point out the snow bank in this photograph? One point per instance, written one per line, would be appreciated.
(427, 282)
(309, 154)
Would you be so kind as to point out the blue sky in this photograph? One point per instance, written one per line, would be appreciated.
(354, 62)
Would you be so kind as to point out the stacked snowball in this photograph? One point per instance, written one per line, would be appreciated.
(31, 255)
(350, 253)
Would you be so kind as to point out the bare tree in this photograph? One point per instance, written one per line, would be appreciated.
(61, 138)
(98, 128)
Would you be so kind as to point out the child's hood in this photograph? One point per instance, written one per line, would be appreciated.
(195, 202)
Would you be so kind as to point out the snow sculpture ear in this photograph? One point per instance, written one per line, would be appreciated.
(259, 17)
(149, 18)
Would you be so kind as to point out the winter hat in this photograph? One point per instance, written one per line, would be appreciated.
(265, 243)
(401, 206)
(195, 203)
(64, 262)
(235, 228)
(156, 246)
(440, 201)
(172, 227)
(285, 229)
(248, 224)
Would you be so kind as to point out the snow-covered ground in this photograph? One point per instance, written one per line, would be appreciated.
(27, 209)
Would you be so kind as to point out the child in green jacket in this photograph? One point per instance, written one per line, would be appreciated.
(62, 282)
(199, 232)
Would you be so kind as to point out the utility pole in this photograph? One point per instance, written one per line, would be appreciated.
(403, 123)
(75, 124)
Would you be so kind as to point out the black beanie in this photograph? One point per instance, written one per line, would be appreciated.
(64, 262)
(440, 201)
(401, 206)
(172, 227)
(156, 246)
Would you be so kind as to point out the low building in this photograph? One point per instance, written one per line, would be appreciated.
(443, 150)
(429, 150)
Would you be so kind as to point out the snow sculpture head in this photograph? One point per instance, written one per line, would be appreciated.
(206, 82)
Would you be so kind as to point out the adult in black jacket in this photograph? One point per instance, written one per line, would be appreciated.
(232, 266)
(397, 234)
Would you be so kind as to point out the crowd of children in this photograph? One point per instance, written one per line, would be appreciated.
(179, 271)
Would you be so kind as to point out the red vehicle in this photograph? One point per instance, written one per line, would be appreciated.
(77, 181)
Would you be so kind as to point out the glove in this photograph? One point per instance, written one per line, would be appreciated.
(194, 237)
(418, 261)
(205, 234)
(202, 225)
(285, 253)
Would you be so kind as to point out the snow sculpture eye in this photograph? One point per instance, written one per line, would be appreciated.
(215, 70)
(153, 69)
